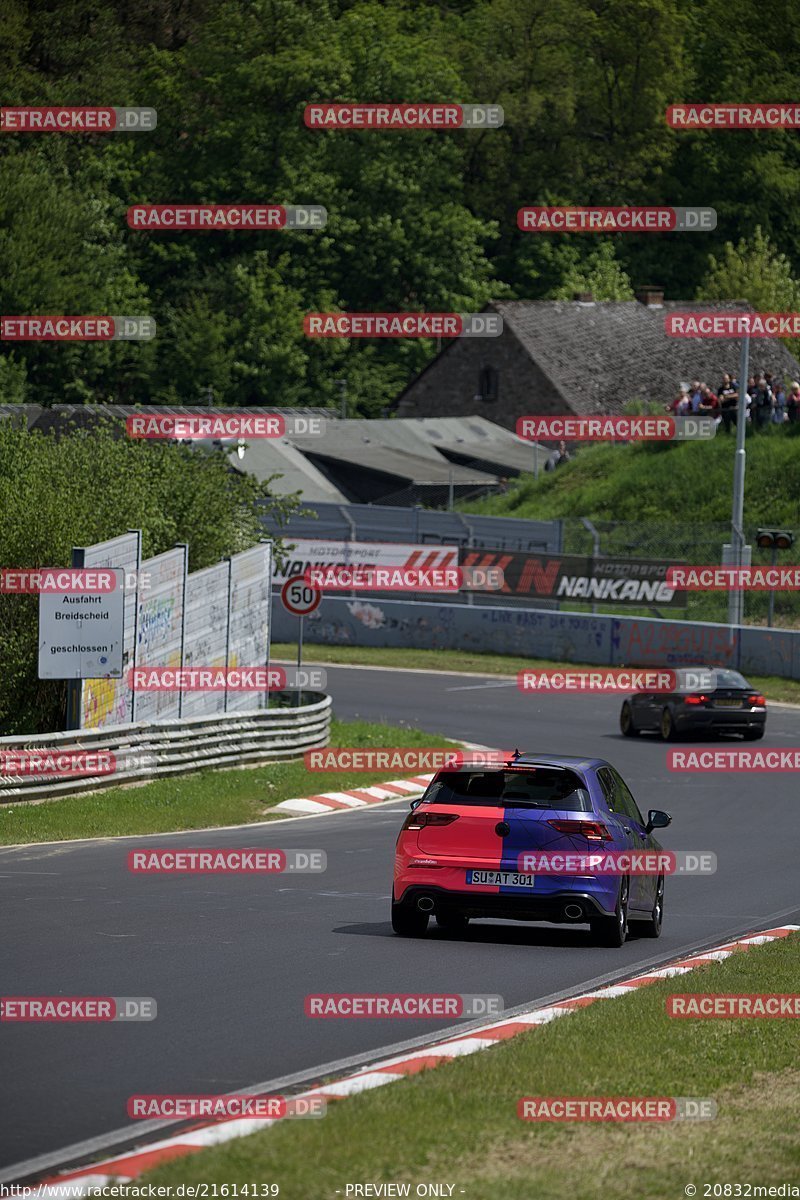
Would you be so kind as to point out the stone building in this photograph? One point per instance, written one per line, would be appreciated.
(580, 356)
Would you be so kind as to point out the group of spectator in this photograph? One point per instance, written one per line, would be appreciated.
(769, 401)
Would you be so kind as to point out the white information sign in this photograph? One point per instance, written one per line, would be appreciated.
(81, 633)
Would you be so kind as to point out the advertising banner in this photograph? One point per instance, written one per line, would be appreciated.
(302, 554)
(110, 701)
(206, 637)
(249, 617)
(159, 628)
(568, 577)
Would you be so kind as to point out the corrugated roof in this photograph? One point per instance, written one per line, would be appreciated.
(266, 457)
(355, 442)
(471, 437)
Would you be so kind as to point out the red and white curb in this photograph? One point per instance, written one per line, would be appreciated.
(356, 797)
(132, 1164)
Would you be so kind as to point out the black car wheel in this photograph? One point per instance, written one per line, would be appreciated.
(612, 931)
(452, 922)
(667, 727)
(753, 735)
(408, 921)
(626, 721)
(651, 928)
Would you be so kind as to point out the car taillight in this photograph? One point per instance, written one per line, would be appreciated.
(695, 699)
(418, 820)
(757, 700)
(593, 831)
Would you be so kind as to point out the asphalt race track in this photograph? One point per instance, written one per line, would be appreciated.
(229, 959)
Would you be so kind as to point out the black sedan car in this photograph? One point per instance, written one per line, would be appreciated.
(732, 706)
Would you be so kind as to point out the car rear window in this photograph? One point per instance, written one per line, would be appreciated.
(539, 787)
(730, 679)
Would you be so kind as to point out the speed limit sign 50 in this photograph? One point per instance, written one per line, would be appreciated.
(299, 598)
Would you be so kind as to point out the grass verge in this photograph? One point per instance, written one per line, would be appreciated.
(773, 687)
(457, 1124)
(206, 798)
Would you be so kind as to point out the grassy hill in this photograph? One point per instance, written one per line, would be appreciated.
(670, 501)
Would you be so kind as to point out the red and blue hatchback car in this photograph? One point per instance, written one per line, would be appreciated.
(459, 851)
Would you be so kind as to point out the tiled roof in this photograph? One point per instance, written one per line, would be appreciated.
(600, 355)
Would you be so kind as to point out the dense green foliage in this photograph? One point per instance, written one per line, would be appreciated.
(416, 220)
(73, 491)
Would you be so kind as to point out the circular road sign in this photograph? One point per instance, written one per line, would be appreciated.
(299, 597)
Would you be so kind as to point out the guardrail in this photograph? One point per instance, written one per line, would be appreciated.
(147, 750)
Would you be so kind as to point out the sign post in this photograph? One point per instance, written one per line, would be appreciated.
(300, 598)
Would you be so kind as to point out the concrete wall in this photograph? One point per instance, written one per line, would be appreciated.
(563, 636)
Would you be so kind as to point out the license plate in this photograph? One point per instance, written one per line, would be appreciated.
(727, 704)
(500, 879)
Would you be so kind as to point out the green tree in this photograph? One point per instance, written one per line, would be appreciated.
(756, 271)
(76, 489)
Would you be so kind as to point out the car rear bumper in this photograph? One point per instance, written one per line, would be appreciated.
(720, 719)
(550, 906)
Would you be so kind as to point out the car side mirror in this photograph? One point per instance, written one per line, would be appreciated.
(656, 819)
(416, 803)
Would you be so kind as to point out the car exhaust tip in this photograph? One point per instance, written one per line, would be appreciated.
(573, 912)
(425, 904)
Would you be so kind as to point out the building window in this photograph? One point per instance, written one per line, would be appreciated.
(488, 384)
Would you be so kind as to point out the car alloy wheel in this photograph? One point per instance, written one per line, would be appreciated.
(612, 931)
(667, 727)
(626, 721)
(651, 927)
